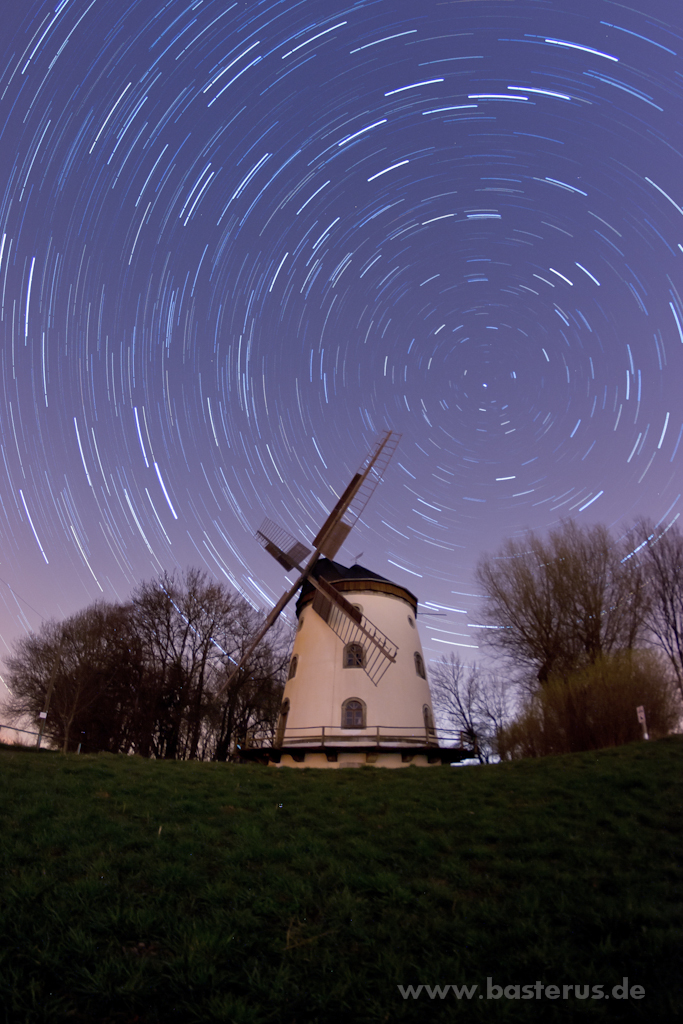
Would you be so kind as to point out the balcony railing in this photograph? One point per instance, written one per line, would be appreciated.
(377, 735)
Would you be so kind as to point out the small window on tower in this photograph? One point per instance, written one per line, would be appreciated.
(282, 723)
(428, 719)
(353, 714)
(354, 656)
(411, 621)
(292, 666)
(419, 665)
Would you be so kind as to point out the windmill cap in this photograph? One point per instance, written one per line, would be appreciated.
(347, 580)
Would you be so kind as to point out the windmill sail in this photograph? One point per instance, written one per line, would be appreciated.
(351, 626)
(351, 504)
(284, 548)
(338, 613)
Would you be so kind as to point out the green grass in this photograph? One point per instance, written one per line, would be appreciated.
(151, 892)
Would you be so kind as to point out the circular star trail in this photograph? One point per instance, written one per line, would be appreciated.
(239, 240)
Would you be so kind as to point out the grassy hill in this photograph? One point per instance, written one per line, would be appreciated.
(150, 892)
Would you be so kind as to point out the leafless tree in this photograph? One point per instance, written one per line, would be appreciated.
(184, 627)
(90, 661)
(144, 677)
(554, 605)
(472, 702)
(245, 713)
(660, 552)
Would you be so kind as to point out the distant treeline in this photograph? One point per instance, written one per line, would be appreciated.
(143, 677)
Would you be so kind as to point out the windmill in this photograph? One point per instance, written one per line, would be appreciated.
(334, 712)
(350, 625)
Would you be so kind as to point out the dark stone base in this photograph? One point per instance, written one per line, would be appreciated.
(434, 754)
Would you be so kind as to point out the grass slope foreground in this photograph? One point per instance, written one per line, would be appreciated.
(155, 892)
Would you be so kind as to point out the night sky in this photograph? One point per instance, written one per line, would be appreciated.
(239, 240)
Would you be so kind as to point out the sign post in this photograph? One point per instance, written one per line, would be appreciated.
(640, 711)
(53, 675)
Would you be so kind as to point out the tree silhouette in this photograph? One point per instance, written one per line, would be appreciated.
(552, 606)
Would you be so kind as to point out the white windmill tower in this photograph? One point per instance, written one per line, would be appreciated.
(354, 696)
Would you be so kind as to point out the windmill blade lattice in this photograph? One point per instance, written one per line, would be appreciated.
(336, 611)
(373, 468)
(351, 626)
(351, 504)
(284, 548)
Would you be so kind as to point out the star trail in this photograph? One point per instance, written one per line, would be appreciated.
(239, 240)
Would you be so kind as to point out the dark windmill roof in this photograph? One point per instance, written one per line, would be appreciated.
(348, 580)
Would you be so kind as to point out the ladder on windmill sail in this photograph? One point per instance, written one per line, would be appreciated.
(351, 626)
(343, 619)
(284, 548)
(351, 504)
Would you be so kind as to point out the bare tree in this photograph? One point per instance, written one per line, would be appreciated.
(193, 631)
(89, 658)
(29, 671)
(246, 712)
(660, 551)
(554, 605)
(184, 627)
(472, 702)
(143, 677)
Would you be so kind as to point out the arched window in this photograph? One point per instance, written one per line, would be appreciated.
(411, 621)
(353, 714)
(419, 665)
(282, 723)
(354, 656)
(300, 624)
(292, 666)
(428, 720)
